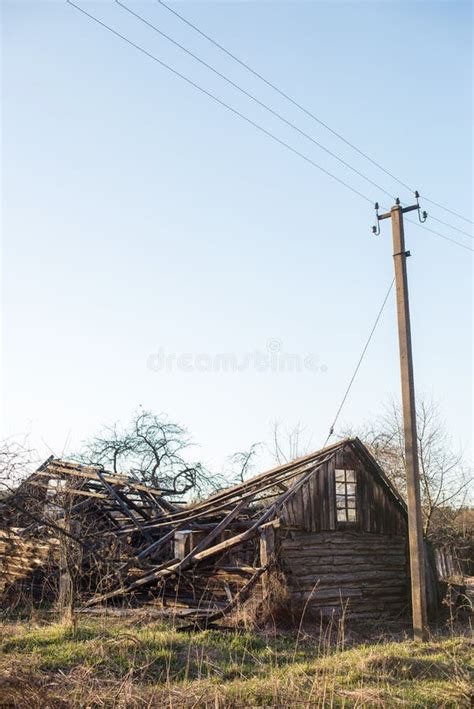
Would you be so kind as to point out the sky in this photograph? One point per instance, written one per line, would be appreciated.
(159, 251)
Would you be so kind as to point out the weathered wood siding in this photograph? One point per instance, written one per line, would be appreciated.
(327, 570)
(313, 508)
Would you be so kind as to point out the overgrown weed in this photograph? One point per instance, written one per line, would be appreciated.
(117, 662)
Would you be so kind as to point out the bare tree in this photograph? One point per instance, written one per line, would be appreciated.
(287, 444)
(153, 450)
(243, 463)
(444, 475)
(16, 462)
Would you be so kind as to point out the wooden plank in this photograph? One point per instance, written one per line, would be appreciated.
(123, 506)
(69, 491)
(238, 598)
(332, 494)
(267, 551)
(213, 533)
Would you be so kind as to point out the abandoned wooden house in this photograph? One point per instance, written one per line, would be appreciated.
(326, 532)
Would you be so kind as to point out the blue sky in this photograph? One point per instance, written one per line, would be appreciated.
(140, 219)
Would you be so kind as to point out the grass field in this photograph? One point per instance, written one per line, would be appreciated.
(130, 662)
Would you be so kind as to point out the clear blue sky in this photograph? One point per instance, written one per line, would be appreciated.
(139, 217)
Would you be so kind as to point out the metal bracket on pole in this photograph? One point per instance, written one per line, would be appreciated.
(376, 229)
(422, 216)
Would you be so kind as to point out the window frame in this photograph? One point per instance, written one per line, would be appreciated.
(345, 486)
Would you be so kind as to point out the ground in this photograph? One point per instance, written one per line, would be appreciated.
(139, 661)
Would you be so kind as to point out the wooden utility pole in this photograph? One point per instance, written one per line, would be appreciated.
(415, 521)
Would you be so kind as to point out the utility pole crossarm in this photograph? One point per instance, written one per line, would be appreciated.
(388, 215)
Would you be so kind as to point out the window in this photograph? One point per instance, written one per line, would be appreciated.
(346, 495)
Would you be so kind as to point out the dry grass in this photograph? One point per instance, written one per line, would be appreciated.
(140, 662)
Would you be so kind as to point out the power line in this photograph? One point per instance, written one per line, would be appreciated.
(302, 108)
(349, 386)
(278, 115)
(220, 102)
(446, 209)
(251, 96)
(280, 91)
(461, 231)
(442, 236)
(244, 117)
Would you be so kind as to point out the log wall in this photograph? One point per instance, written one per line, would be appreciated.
(326, 571)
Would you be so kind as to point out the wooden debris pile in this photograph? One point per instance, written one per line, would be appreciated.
(63, 506)
(201, 560)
